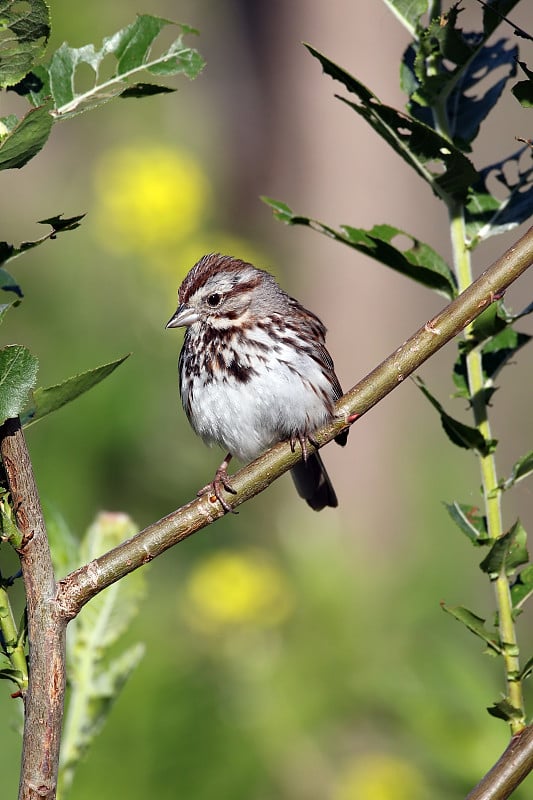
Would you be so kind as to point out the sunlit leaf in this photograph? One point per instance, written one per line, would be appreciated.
(408, 12)
(415, 259)
(460, 434)
(25, 29)
(507, 553)
(448, 171)
(476, 625)
(46, 400)
(26, 139)
(521, 469)
(18, 374)
(133, 51)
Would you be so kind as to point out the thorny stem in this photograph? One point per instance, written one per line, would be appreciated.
(489, 477)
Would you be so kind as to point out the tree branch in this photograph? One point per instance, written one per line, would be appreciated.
(515, 764)
(43, 703)
(79, 586)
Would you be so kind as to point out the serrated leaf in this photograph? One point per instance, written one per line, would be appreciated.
(488, 215)
(8, 251)
(46, 400)
(507, 553)
(26, 29)
(416, 260)
(504, 710)
(26, 139)
(458, 433)
(408, 12)
(448, 171)
(522, 587)
(132, 49)
(475, 624)
(521, 469)
(469, 521)
(18, 374)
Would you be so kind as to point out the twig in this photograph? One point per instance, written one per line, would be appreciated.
(43, 702)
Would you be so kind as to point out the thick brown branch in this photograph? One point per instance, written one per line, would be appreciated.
(46, 628)
(509, 771)
(78, 587)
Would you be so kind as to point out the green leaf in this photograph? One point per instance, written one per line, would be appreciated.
(26, 139)
(504, 710)
(46, 400)
(94, 679)
(458, 433)
(521, 469)
(469, 521)
(415, 259)
(9, 251)
(408, 12)
(25, 31)
(132, 49)
(527, 669)
(448, 171)
(507, 553)
(476, 625)
(522, 587)
(499, 349)
(145, 90)
(18, 374)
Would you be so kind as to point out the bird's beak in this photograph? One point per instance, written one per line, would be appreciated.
(185, 315)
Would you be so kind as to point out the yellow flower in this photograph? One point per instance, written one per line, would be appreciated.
(232, 589)
(149, 197)
(381, 777)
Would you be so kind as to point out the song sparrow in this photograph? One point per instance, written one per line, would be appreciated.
(254, 370)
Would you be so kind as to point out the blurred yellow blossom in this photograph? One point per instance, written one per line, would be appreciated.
(381, 777)
(236, 588)
(149, 198)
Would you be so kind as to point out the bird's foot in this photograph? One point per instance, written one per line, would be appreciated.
(221, 481)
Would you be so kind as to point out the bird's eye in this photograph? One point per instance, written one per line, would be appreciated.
(214, 299)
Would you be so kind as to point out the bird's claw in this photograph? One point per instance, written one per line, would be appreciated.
(221, 481)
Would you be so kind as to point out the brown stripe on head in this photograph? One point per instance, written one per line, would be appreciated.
(212, 264)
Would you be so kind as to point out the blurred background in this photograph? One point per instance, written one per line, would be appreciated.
(289, 655)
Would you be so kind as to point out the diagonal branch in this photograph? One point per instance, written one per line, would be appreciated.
(515, 764)
(80, 586)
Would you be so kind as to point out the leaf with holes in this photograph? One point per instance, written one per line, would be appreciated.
(25, 31)
(133, 49)
(416, 260)
(448, 171)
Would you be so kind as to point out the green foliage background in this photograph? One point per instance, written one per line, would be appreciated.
(328, 670)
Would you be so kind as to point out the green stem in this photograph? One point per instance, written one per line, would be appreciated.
(15, 646)
(491, 494)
